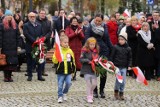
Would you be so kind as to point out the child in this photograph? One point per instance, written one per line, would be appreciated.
(90, 48)
(64, 69)
(121, 56)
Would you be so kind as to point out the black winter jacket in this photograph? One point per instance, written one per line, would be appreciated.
(47, 30)
(9, 41)
(31, 33)
(121, 56)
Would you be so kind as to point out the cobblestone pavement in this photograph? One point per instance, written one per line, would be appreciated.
(22, 93)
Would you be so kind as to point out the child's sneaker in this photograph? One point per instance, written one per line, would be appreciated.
(60, 100)
(89, 99)
(65, 97)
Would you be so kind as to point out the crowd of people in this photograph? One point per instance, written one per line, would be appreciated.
(126, 41)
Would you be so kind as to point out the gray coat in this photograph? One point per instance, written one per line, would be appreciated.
(85, 58)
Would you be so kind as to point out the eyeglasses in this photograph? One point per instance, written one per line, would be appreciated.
(32, 16)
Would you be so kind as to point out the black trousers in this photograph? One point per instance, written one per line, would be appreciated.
(7, 73)
(147, 71)
(102, 84)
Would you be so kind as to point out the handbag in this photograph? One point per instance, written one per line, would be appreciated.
(3, 60)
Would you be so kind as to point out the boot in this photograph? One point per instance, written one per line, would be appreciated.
(6, 76)
(116, 94)
(102, 94)
(121, 96)
(95, 93)
(10, 76)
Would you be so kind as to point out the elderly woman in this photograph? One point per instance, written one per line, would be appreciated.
(9, 44)
(132, 39)
(98, 30)
(75, 34)
(145, 50)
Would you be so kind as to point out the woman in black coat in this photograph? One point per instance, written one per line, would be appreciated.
(132, 39)
(98, 30)
(145, 51)
(9, 45)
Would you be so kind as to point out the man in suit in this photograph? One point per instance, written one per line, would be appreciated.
(154, 25)
(47, 31)
(32, 30)
(58, 23)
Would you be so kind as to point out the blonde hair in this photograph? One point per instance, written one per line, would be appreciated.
(91, 40)
(134, 18)
(63, 37)
(145, 24)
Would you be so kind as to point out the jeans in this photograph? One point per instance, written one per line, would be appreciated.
(62, 78)
(120, 86)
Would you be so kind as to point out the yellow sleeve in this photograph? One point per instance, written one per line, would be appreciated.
(54, 59)
(72, 54)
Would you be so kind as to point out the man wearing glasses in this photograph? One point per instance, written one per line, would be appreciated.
(32, 30)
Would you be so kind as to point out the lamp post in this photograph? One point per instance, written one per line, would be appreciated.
(59, 5)
(30, 5)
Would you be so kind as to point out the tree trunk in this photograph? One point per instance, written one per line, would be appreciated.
(40, 4)
(102, 6)
(3, 3)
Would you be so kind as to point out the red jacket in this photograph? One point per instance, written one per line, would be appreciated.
(112, 30)
(75, 43)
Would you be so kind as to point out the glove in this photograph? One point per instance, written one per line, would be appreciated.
(19, 49)
(150, 46)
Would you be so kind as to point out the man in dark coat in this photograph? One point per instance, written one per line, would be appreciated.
(58, 24)
(154, 24)
(32, 30)
(157, 51)
(47, 31)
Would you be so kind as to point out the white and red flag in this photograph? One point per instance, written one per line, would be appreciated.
(140, 76)
(58, 52)
(126, 13)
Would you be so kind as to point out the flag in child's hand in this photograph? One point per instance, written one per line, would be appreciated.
(58, 52)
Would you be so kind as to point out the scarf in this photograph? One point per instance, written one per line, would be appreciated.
(97, 29)
(146, 36)
(74, 27)
(137, 27)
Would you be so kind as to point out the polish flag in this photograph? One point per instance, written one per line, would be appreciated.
(118, 75)
(126, 13)
(58, 52)
(140, 76)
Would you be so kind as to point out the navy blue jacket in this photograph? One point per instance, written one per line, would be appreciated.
(104, 41)
(58, 24)
(31, 33)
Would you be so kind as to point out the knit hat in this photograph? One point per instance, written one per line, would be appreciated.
(121, 17)
(123, 35)
(8, 13)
